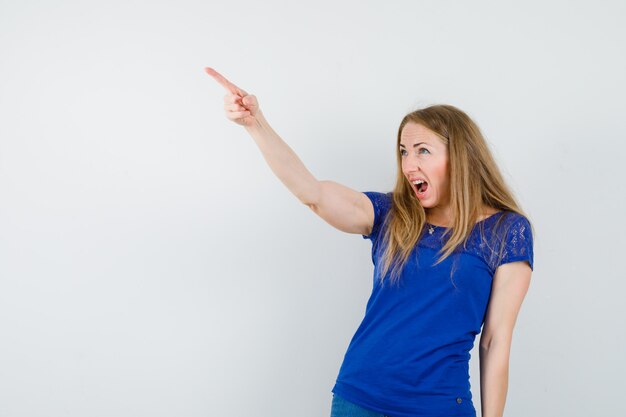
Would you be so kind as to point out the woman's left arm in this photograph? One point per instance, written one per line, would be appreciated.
(508, 289)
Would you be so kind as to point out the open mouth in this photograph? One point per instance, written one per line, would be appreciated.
(421, 188)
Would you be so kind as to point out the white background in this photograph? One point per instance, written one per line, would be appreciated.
(152, 265)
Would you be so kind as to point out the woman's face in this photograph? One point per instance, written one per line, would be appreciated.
(424, 156)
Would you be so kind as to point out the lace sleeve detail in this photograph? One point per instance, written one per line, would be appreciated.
(381, 203)
(518, 243)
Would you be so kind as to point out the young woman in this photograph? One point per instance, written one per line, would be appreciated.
(452, 252)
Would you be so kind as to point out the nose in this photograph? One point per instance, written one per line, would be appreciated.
(411, 164)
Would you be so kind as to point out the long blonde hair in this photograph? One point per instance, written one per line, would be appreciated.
(475, 182)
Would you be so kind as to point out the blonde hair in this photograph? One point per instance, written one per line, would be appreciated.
(475, 182)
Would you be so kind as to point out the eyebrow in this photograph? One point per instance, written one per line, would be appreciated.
(417, 144)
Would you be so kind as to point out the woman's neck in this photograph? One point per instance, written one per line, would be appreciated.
(439, 216)
(443, 217)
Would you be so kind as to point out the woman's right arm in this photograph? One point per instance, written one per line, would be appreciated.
(345, 209)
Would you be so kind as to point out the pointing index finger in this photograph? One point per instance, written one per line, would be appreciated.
(224, 82)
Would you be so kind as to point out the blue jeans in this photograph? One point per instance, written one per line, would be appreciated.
(343, 408)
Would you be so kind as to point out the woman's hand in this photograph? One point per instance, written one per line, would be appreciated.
(240, 107)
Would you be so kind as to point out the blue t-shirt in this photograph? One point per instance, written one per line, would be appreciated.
(410, 355)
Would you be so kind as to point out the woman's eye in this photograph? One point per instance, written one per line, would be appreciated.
(403, 151)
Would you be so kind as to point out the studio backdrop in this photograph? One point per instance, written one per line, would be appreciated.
(151, 264)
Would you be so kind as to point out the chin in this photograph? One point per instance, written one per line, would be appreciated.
(426, 204)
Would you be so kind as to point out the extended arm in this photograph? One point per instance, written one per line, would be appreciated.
(283, 161)
(346, 209)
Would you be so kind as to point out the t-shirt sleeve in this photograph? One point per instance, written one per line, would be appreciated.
(381, 203)
(518, 243)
